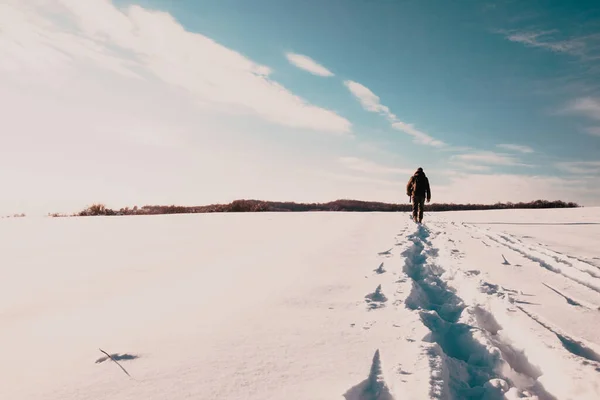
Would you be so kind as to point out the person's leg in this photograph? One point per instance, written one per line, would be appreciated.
(415, 208)
(421, 208)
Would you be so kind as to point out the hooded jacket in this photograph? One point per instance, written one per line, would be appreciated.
(418, 185)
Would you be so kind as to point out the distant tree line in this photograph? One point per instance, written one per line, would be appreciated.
(338, 205)
(21, 215)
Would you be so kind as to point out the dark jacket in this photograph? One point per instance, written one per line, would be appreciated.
(418, 185)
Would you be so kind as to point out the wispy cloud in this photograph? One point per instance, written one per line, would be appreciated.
(546, 40)
(580, 167)
(593, 130)
(462, 165)
(420, 136)
(371, 102)
(137, 42)
(516, 148)
(359, 164)
(308, 64)
(585, 47)
(586, 106)
(491, 188)
(359, 179)
(488, 158)
(457, 149)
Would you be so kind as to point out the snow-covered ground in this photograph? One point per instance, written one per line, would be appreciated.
(354, 306)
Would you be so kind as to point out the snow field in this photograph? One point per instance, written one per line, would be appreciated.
(354, 306)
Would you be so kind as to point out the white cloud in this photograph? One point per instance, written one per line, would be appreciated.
(360, 179)
(456, 149)
(362, 165)
(126, 107)
(60, 35)
(119, 106)
(474, 188)
(516, 148)
(420, 136)
(371, 102)
(586, 106)
(470, 167)
(308, 64)
(488, 158)
(543, 39)
(492, 188)
(593, 130)
(580, 167)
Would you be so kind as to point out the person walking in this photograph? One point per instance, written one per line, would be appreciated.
(418, 190)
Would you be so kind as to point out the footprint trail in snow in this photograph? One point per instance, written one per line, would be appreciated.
(470, 354)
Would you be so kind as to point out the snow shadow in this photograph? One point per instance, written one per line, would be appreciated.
(380, 269)
(118, 357)
(376, 299)
(571, 345)
(372, 388)
(577, 348)
(567, 298)
(386, 253)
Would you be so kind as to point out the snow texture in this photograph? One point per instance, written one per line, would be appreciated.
(468, 305)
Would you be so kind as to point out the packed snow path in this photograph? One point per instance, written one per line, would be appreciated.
(471, 305)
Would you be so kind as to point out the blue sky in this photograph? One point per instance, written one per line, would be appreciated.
(194, 102)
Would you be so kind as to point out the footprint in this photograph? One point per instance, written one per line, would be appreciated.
(369, 325)
(401, 371)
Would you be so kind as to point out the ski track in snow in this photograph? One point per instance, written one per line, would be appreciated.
(571, 268)
(567, 298)
(575, 347)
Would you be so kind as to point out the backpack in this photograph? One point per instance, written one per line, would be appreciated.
(416, 182)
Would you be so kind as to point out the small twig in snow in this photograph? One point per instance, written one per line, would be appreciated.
(109, 356)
